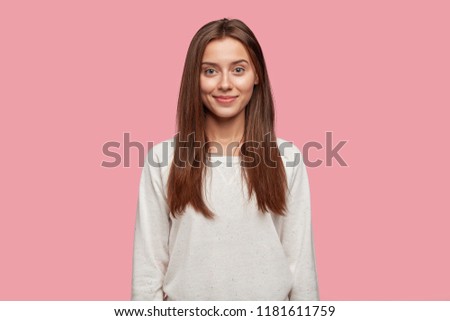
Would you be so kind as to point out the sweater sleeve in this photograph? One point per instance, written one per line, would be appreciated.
(151, 235)
(297, 237)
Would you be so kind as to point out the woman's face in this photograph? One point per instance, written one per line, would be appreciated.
(227, 77)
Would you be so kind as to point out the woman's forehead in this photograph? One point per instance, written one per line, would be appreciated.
(225, 50)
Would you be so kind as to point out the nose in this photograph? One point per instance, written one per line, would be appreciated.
(225, 83)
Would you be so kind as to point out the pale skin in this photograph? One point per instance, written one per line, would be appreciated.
(226, 70)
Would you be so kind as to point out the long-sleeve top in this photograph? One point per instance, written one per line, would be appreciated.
(241, 254)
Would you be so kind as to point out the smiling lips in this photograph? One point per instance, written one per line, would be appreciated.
(225, 99)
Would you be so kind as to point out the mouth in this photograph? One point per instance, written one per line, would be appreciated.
(225, 99)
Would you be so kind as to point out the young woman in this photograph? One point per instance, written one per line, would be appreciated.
(224, 205)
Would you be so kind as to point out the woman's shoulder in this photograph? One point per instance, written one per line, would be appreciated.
(162, 151)
(288, 150)
(292, 158)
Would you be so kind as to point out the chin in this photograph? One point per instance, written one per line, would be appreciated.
(221, 113)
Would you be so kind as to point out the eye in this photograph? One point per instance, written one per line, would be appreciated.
(209, 71)
(239, 70)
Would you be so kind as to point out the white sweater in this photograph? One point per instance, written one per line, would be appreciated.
(242, 254)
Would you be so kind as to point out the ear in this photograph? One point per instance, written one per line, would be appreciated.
(256, 80)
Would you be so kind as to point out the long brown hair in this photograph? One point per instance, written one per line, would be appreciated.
(185, 180)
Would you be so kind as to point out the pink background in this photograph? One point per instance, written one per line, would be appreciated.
(77, 74)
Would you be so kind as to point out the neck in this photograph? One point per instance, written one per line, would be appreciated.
(225, 130)
(227, 133)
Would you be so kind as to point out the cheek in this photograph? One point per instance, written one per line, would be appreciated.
(245, 85)
(205, 89)
(206, 85)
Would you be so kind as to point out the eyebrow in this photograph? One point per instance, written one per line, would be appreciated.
(233, 63)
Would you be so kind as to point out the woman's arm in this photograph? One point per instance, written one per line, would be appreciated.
(151, 254)
(297, 236)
